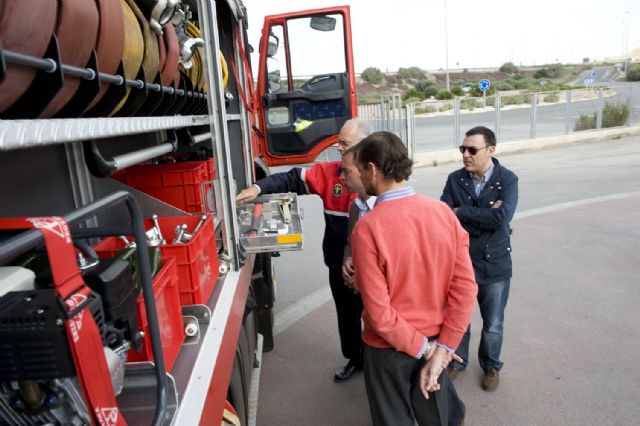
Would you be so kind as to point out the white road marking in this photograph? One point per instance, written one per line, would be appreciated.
(301, 309)
(572, 204)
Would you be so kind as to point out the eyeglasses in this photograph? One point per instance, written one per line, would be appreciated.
(472, 149)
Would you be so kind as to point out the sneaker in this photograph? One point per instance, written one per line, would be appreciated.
(491, 379)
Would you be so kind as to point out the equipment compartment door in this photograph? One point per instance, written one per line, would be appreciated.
(306, 83)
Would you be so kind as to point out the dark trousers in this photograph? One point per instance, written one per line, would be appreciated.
(492, 299)
(349, 310)
(392, 380)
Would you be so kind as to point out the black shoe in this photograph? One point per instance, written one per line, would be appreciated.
(453, 372)
(346, 372)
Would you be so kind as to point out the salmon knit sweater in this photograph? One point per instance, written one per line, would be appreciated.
(412, 264)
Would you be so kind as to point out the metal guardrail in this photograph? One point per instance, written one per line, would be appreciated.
(434, 125)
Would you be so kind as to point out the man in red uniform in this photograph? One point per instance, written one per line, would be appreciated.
(412, 264)
(323, 179)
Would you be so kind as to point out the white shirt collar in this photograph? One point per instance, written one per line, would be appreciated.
(365, 205)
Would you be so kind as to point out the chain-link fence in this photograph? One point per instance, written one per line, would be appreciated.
(434, 124)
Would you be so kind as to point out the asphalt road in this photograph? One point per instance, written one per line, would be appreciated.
(571, 328)
(434, 133)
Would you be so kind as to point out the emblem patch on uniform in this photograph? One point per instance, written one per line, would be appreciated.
(337, 190)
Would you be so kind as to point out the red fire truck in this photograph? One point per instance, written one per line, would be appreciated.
(133, 288)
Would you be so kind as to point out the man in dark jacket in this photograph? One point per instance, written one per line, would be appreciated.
(484, 196)
(323, 179)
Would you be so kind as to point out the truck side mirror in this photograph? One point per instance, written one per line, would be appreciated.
(323, 23)
(272, 45)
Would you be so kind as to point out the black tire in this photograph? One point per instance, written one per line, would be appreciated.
(237, 393)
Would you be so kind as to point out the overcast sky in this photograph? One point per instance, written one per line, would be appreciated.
(485, 33)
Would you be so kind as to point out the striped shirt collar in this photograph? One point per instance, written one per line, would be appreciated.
(395, 194)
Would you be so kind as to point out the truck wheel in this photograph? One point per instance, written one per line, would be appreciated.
(237, 393)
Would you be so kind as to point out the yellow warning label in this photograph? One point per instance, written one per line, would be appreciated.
(288, 239)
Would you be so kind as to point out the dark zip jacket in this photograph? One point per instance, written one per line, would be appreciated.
(489, 229)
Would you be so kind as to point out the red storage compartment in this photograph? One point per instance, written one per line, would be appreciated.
(197, 260)
(211, 169)
(167, 297)
(108, 247)
(178, 184)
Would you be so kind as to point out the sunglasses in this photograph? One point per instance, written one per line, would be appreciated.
(472, 149)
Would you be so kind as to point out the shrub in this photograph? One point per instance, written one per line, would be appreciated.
(556, 70)
(548, 87)
(412, 100)
(444, 94)
(541, 73)
(457, 91)
(372, 75)
(413, 93)
(613, 115)
(523, 83)
(476, 92)
(411, 72)
(426, 109)
(427, 87)
(585, 122)
(633, 73)
(431, 91)
(509, 68)
(423, 85)
(569, 87)
(446, 107)
(504, 85)
(515, 100)
(393, 79)
(470, 104)
(551, 97)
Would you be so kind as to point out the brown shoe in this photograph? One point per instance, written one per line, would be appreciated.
(453, 372)
(491, 379)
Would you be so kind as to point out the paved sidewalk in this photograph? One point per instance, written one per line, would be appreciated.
(572, 335)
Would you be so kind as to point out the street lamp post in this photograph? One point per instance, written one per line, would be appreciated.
(626, 45)
(446, 44)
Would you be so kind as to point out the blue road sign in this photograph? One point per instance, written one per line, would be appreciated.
(593, 74)
(484, 85)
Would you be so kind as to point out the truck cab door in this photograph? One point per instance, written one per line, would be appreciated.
(306, 83)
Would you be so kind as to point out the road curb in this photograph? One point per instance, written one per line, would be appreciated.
(435, 158)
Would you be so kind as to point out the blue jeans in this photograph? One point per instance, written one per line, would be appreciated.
(492, 299)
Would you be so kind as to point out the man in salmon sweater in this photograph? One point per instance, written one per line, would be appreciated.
(412, 264)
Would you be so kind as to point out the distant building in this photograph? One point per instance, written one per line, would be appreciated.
(632, 56)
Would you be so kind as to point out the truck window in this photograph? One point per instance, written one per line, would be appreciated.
(314, 52)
